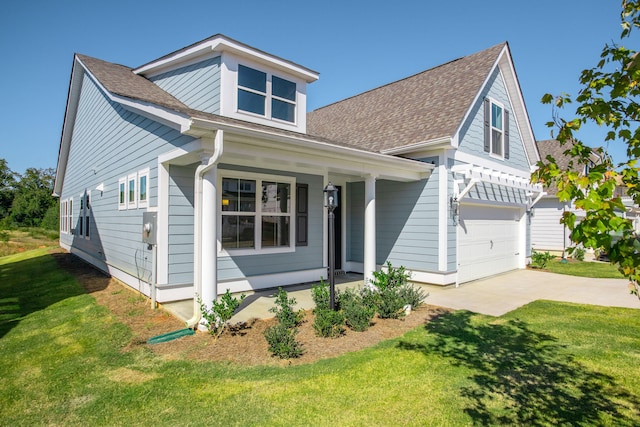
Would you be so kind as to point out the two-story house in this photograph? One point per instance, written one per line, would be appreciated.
(212, 147)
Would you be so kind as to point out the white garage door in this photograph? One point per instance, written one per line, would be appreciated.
(488, 241)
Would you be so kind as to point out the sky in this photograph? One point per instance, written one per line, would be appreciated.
(355, 46)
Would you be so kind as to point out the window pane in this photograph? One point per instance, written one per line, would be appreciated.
(252, 79)
(251, 102)
(132, 191)
(122, 193)
(283, 88)
(496, 116)
(275, 231)
(283, 110)
(496, 142)
(143, 188)
(238, 232)
(88, 205)
(238, 195)
(275, 197)
(86, 226)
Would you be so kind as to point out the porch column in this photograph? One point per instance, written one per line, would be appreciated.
(369, 228)
(209, 238)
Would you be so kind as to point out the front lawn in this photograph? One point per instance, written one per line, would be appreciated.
(65, 360)
(584, 269)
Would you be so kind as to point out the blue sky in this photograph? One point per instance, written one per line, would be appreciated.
(355, 45)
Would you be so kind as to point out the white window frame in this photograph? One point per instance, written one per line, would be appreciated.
(69, 226)
(493, 102)
(64, 216)
(132, 204)
(144, 173)
(258, 214)
(269, 97)
(122, 194)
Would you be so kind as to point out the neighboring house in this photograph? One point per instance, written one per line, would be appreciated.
(214, 140)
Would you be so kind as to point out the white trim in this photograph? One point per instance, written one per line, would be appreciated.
(443, 210)
(428, 277)
(258, 214)
(122, 185)
(143, 173)
(444, 142)
(492, 176)
(162, 247)
(266, 281)
(489, 164)
(220, 43)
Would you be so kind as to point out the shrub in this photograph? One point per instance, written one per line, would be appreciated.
(221, 311)
(282, 341)
(284, 310)
(578, 253)
(391, 278)
(390, 305)
(320, 295)
(328, 323)
(357, 311)
(412, 295)
(540, 260)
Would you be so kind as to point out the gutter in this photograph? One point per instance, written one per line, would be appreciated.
(201, 170)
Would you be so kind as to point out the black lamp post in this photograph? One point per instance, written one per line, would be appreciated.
(331, 202)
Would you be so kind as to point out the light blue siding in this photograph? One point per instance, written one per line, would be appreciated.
(196, 85)
(452, 237)
(181, 182)
(472, 132)
(406, 223)
(304, 258)
(109, 143)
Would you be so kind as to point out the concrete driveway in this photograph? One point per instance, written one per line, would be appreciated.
(500, 294)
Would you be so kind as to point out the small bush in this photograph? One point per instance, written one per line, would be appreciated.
(328, 323)
(357, 312)
(390, 304)
(221, 311)
(320, 295)
(412, 295)
(540, 259)
(284, 310)
(391, 278)
(282, 341)
(578, 253)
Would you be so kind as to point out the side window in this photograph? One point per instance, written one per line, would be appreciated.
(132, 192)
(122, 193)
(87, 214)
(143, 188)
(496, 129)
(80, 228)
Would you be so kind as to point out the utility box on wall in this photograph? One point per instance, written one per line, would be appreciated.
(149, 225)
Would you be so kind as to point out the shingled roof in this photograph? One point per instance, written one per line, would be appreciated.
(552, 147)
(423, 107)
(121, 80)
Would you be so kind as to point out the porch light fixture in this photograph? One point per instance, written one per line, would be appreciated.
(455, 209)
(331, 202)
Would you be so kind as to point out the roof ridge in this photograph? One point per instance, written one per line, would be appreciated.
(411, 76)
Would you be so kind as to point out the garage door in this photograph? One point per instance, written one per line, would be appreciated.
(488, 241)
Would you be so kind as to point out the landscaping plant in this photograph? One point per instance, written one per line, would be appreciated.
(217, 318)
(540, 259)
(328, 323)
(357, 310)
(282, 337)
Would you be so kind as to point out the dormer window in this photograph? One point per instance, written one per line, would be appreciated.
(273, 99)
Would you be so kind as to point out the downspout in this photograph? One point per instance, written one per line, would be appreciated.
(201, 170)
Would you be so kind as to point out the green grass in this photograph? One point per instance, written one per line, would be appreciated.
(584, 269)
(25, 239)
(62, 363)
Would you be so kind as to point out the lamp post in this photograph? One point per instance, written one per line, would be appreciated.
(331, 202)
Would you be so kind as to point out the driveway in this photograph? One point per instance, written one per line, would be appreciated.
(500, 294)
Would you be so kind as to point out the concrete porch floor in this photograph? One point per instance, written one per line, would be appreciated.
(258, 303)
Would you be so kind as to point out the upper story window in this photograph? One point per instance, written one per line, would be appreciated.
(273, 99)
(497, 130)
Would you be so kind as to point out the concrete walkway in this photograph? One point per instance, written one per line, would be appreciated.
(501, 294)
(494, 296)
